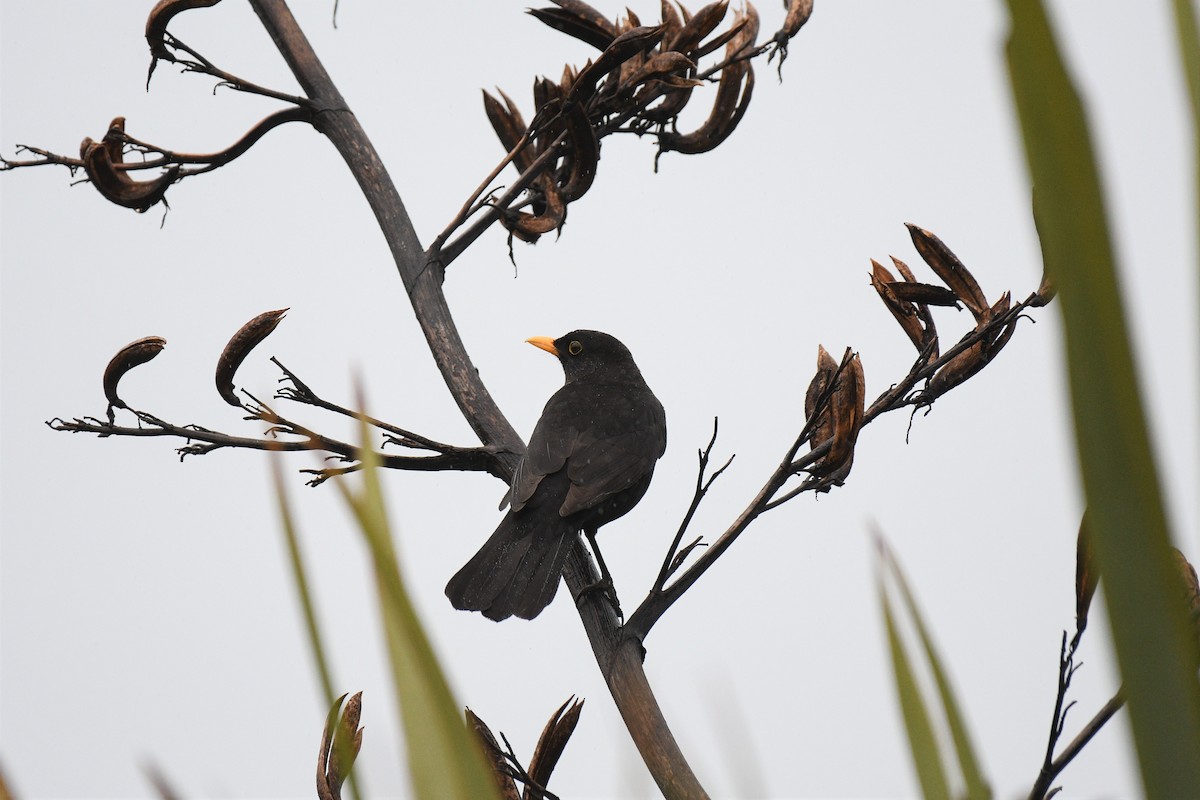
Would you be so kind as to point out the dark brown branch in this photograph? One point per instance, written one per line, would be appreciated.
(898, 396)
(619, 662)
(169, 157)
(1041, 789)
(205, 67)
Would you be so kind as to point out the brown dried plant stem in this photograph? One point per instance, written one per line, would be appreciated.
(620, 660)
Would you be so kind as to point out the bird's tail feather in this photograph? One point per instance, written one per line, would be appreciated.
(517, 570)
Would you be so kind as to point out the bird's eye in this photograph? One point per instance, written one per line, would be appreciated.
(575, 348)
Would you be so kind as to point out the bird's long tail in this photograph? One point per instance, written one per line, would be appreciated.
(517, 571)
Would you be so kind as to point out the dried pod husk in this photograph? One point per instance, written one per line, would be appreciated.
(552, 742)
(246, 339)
(719, 41)
(822, 429)
(495, 756)
(578, 20)
(131, 355)
(978, 355)
(952, 272)
(340, 743)
(904, 311)
(1087, 574)
(629, 44)
(509, 126)
(156, 27)
(847, 407)
(115, 185)
(930, 339)
(550, 216)
(798, 12)
(734, 91)
(1045, 291)
(584, 155)
(925, 293)
(701, 24)
(667, 68)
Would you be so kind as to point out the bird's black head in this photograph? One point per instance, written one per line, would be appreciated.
(589, 355)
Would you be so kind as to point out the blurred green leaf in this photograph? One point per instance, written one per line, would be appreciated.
(977, 786)
(926, 759)
(445, 761)
(1189, 54)
(1146, 610)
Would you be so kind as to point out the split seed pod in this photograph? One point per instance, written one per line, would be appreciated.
(554, 740)
(579, 20)
(952, 271)
(156, 27)
(978, 355)
(114, 184)
(495, 757)
(245, 340)
(842, 418)
(905, 311)
(131, 355)
(340, 744)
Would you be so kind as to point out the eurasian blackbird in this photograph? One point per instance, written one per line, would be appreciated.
(589, 461)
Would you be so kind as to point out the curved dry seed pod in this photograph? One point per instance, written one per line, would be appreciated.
(156, 27)
(904, 311)
(624, 47)
(131, 355)
(947, 266)
(702, 23)
(571, 24)
(798, 13)
(733, 97)
(115, 185)
(245, 340)
(663, 67)
(585, 154)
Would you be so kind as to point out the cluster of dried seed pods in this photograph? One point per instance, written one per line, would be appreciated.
(643, 78)
(839, 419)
(102, 161)
(910, 301)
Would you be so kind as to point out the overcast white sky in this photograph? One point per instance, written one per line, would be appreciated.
(147, 612)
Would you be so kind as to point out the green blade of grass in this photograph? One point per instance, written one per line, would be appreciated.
(444, 760)
(976, 784)
(300, 575)
(921, 740)
(1146, 610)
(1189, 55)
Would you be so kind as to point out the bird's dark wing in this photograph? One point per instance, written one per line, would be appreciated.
(608, 438)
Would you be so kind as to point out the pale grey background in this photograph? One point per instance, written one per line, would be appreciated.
(147, 611)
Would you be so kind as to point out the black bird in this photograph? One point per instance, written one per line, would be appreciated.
(589, 461)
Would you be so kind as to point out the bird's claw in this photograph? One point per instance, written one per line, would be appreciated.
(604, 585)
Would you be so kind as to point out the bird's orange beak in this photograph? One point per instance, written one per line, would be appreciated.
(544, 343)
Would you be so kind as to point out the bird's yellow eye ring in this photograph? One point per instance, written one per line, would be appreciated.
(575, 348)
